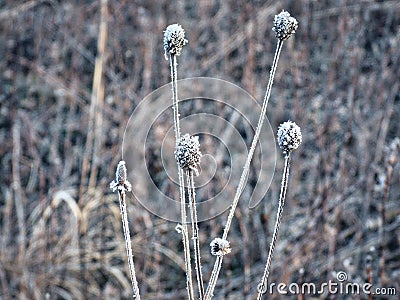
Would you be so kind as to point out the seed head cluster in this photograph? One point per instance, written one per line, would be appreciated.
(174, 40)
(289, 136)
(284, 25)
(220, 247)
(187, 153)
(121, 183)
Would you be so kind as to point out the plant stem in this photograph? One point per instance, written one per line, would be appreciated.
(246, 167)
(285, 176)
(382, 223)
(195, 231)
(256, 137)
(174, 87)
(128, 244)
(214, 277)
(185, 237)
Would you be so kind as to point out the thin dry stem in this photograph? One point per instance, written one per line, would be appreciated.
(98, 92)
(18, 196)
(285, 176)
(174, 84)
(94, 134)
(128, 244)
(256, 137)
(195, 231)
(246, 168)
(214, 277)
(185, 237)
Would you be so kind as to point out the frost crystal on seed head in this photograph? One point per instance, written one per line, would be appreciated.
(174, 40)
(187, 153)
(284, 25)
(289, 136)
(121, 183)
(220, 247)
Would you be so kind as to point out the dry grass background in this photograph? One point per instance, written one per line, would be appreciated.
(338, 78)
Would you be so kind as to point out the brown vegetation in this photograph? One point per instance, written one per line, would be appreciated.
(61, 130)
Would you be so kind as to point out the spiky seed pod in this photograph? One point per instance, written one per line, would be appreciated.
(121, 182)
(284, 25)
(220, 247)
(187, 153)
(174, 40)
(289, 136)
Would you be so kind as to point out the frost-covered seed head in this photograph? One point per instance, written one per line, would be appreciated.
(187, 153)
(121, 182)
(174, 40)
(284, 25)
(289, 136)
(220, 247)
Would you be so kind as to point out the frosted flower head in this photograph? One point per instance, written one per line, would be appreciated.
(284, 25)
(220, 247)
(174, 40)
(187, 153)
(121, 182)
(289, 136)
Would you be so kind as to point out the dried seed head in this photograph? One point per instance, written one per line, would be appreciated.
(284, 25)
(174, 40)
(121, 182)
(220, 247)
(187, 153)
(289, 136)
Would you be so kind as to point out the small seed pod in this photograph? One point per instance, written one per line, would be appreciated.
(187, 153)
(284, 25)
(289, 136)
(174, 40)
(121, 182)
(220, 247)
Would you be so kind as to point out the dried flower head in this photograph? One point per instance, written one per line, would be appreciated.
(121, 183)
(220, 247)
(187, 153)
(289, 136)
(174, 40)
(284, 25)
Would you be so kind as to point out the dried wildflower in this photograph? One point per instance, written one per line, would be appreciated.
(174, 40)
(284, 25)
(187, 153)
(289, 136)
(220, 247)
(121, 183)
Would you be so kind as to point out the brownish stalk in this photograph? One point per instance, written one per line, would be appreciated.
(94, 135)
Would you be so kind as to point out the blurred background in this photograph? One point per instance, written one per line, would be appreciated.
(72, 72)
